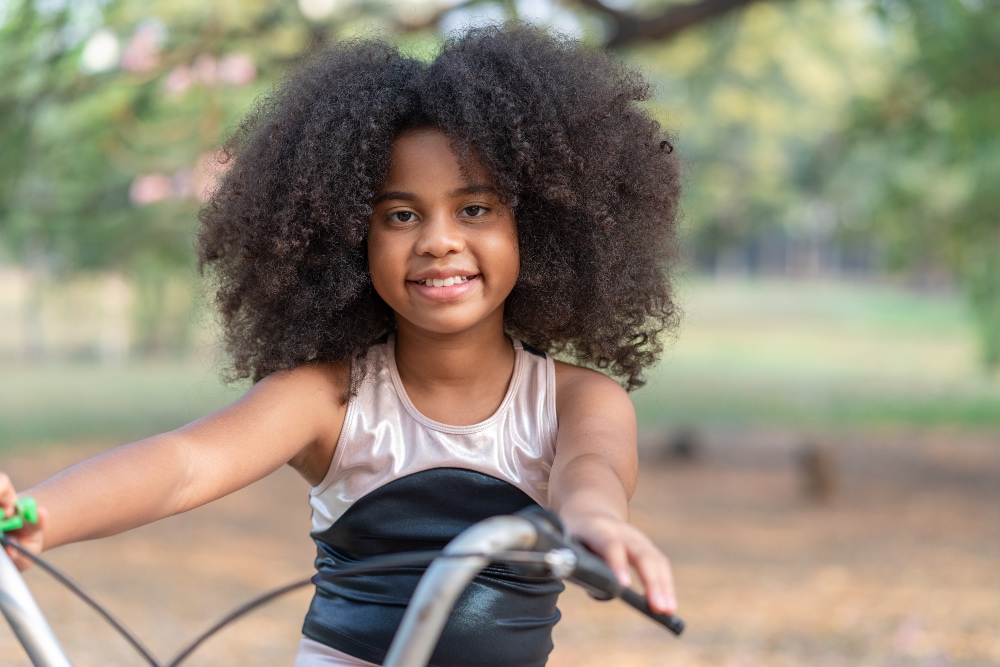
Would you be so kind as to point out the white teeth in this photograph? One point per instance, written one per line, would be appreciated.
(446, 282)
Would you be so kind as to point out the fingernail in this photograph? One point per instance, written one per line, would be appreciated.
(625, 579)
(663, 603)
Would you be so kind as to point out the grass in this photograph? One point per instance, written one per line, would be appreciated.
(819, 355)
(82, 401)
(748, 353)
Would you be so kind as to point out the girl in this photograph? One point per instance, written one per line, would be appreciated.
(399, 249)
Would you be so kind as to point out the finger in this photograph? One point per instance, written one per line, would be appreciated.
(15, 556)
(29, 538)
(656, 575)
(22, 562)
(8, 496)
(616, 556)
(608, 545)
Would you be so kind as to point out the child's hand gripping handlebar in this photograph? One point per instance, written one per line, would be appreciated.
(589, 571)
(26, 511)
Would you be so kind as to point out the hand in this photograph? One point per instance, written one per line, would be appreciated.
(28, 537)
(621, 544)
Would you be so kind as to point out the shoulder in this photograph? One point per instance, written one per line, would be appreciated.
(314, 397)
(327, 381)
(311, 398)
(581, 389)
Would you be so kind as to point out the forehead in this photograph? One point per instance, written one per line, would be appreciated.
(428, 156)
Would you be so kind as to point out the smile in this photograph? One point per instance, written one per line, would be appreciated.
(452, 288)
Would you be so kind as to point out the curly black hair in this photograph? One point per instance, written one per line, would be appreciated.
(589, 175)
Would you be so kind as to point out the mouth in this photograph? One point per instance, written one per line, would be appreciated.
(449, 288)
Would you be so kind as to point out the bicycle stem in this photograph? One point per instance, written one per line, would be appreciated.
(444, 582)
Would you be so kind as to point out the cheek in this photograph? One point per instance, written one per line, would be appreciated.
(501, 255)
(513, 252)
(514, 262)
(379, 264)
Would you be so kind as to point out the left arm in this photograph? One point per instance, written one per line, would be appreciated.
(594, 475)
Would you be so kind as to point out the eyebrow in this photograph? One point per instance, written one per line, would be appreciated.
(475, 189)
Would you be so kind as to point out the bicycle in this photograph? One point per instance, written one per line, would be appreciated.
(532, 538)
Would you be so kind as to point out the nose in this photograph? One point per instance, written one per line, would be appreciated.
(440, 235)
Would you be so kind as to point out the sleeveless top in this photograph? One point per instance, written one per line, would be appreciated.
(399, 482)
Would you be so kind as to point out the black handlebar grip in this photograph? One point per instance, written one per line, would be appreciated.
(593, 574)
(669, 621)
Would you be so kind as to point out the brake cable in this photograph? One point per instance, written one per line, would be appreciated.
(79, 591)
(411, 559)
(561, 561)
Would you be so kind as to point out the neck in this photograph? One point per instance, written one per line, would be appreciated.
(465, 359)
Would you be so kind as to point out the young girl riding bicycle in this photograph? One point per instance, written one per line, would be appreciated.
(400, 249)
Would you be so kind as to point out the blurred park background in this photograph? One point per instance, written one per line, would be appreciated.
(821, 442)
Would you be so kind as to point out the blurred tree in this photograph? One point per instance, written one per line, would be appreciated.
(920, 163)
(109, 115)
(753, 96)
(111, 110)
(107, 107)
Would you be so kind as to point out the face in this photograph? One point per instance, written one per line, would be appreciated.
(442, 250)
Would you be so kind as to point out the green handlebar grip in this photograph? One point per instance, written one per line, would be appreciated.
(26, 510)
(12, 523)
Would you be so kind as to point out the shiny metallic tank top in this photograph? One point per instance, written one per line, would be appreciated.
(385, 438)
(401, 482)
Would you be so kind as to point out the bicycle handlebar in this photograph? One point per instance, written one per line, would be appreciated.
(534, 529)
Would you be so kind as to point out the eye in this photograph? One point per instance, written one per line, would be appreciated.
(475, 211)
(402, 216)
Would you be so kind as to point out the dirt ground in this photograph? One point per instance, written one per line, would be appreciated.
(899, 567)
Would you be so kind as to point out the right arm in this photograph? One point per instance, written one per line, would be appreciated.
(291, 415)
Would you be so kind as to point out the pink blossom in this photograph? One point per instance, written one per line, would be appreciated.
(142, 53)
(206, 69)
(237, 69)
(149, 189)
(178, 81)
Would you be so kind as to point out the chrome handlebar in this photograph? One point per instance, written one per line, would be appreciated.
(26, 619)
(533, 529)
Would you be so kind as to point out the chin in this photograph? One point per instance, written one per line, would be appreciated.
(447, 330)
(447, 326)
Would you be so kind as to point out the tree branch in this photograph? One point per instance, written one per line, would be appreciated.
(431, 21)
(628, 28)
